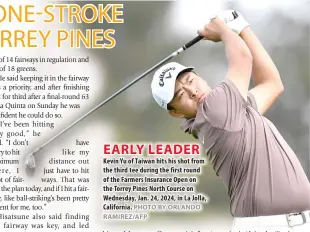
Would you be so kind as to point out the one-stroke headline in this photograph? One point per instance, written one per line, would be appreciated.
(60, 14)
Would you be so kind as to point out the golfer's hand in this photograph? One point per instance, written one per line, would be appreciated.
(234, 20)
(214, 30)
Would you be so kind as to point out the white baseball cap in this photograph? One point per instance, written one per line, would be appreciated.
(163, 83)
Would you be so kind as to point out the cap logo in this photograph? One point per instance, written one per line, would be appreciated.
(162, 103)
(163, 76)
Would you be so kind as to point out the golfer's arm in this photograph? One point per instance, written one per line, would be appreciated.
(266, 78)
(239, 61)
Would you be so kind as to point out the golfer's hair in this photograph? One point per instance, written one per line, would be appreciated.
(169, 107)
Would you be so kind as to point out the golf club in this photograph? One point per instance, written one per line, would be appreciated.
(30, 160)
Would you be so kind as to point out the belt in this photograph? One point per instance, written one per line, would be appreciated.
(291, 220)
(295, 219)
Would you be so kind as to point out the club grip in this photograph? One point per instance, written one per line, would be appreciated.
(192, 42)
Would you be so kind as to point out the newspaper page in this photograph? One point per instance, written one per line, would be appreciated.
(134, 116)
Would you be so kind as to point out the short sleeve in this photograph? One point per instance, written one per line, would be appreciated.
(224, 107)
(252, 101)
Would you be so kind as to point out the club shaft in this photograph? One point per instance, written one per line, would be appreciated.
(183, 48)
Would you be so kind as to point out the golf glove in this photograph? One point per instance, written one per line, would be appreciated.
(234, 20)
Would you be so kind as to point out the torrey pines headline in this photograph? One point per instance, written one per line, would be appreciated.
(61, 13)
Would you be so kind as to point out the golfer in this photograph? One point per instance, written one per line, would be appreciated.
(266, 183)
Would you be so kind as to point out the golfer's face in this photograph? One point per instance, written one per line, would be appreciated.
(190, 90)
